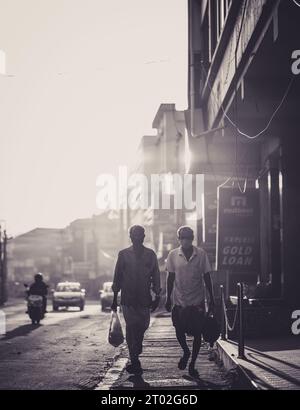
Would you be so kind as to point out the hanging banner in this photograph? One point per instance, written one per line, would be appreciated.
(238, 239)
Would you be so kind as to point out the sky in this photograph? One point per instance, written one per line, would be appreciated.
(84, 79)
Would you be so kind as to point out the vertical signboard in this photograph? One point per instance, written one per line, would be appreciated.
(209, 203)
(238, 239)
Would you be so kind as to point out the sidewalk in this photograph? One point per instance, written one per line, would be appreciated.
(159, 360)
(14, 306)
(270, 364)
(13, 302)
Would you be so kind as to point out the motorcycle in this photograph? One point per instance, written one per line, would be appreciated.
(34, 307)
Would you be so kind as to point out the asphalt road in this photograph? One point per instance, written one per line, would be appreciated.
(68, 351)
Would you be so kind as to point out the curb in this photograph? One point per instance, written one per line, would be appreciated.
(228, 355)
(113, 374)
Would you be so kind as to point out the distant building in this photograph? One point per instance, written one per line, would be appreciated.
(81, 249)
(147, 164)
(92, 248)
(161, 154)
(241, 84)
(110, 237)
(170, 126)
(39, 250)
(84, 251)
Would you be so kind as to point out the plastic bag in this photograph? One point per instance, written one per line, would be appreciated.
(115, 334)
(211, 330)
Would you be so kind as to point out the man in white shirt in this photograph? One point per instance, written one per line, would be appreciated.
(188, 272)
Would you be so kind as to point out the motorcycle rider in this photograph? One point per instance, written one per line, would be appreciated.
(39, 288)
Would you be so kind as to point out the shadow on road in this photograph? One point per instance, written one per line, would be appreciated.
(204, 384)
(64, 310)
(271, 370)
(23, 330)
(138, 382)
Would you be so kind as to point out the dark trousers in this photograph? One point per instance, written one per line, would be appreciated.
(137, 321)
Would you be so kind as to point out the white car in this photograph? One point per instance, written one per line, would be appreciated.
(107, 296)
(68, 294)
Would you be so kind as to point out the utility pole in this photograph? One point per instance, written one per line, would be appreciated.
(3, 266)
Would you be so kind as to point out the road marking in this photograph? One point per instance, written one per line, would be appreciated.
(113, 374)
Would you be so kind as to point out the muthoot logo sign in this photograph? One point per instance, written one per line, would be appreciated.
(240, 201)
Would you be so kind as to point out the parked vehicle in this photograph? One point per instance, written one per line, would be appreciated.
(106, 296)
(68, 294)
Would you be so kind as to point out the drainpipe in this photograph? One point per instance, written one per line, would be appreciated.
(191, 69)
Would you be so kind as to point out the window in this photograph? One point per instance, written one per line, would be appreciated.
(214, 22)
(68, 288)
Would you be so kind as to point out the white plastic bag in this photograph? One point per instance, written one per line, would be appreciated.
(115, 334)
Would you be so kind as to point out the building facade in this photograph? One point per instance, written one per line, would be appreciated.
(159, 158)
(244, 123)
(84, 251)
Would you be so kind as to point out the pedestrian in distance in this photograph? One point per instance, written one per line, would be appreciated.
(136, 275)
(188, 274)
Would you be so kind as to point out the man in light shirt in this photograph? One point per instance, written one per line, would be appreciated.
(188, 274)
